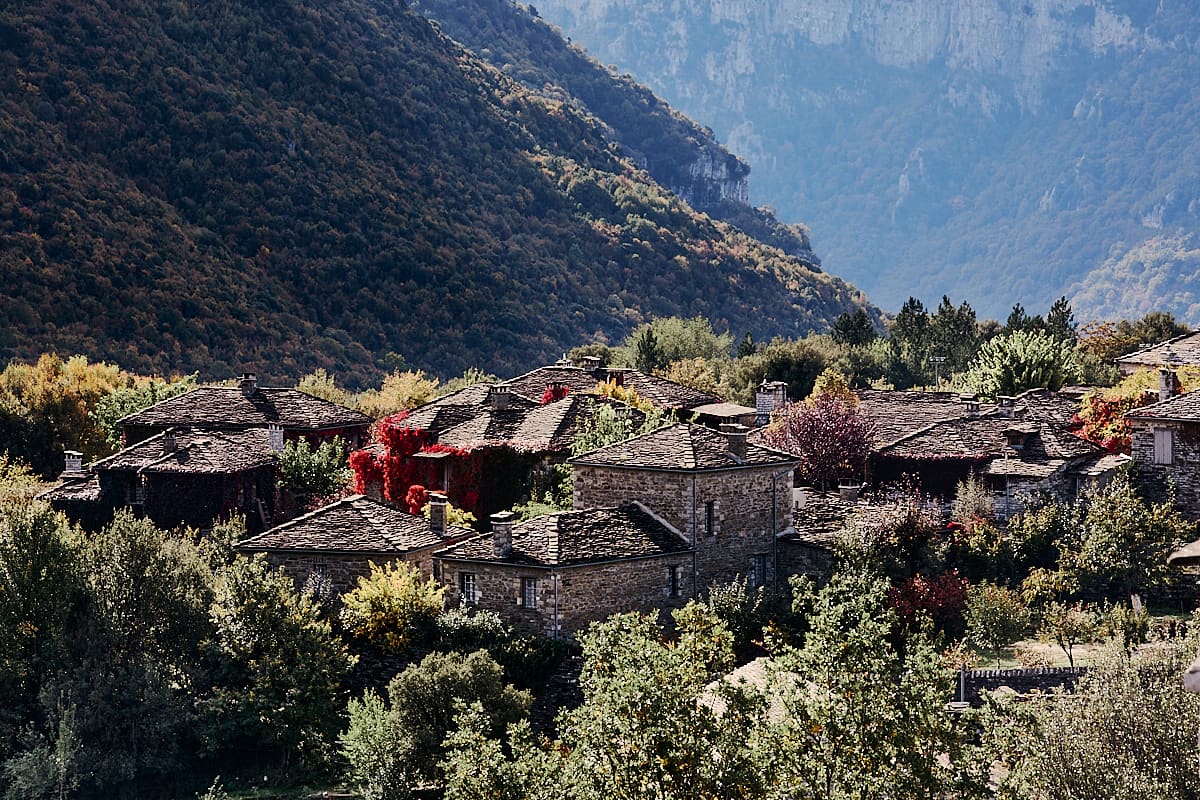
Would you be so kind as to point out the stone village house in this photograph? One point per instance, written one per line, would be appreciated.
(658, 518)
(1166, 444)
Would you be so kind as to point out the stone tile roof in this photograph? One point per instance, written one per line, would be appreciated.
(985, 437)
(1181, 408)
(724, 410)
(198, 451)
(82, 489)
(683, 446)
(659, 391)
(825, 515)
(579, 537)
(1181, 350)
(462, 406)
(228, 407)
(355, 524)
(536, 428)
(900, 414)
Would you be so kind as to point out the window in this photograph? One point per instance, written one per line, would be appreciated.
(710, 518)
(758, 570)
(1164, 446)
(529, 592)
(466, 588)
(673, 579)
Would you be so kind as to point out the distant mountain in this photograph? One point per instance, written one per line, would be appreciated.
(282, 186)
(997, 151)
(678, 153)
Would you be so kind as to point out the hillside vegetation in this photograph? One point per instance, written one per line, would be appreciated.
(287, 186)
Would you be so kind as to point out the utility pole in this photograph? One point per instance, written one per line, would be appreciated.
(937, 362)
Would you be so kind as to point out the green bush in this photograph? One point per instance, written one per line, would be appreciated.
(393, 607)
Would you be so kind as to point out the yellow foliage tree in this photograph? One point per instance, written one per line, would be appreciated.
(393, 606)
(400, 391)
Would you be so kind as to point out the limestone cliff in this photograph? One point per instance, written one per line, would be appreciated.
(999, 150)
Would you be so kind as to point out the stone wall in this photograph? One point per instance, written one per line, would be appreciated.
(741, 501)
(1184, 471)
(802, 558)
(972, 683)
(342, 570)
(576, 596)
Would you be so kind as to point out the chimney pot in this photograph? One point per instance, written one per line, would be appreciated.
(248, 384)
(170, 443)
(437, 513)
(72, 461)
(502, 527)
(499, 396)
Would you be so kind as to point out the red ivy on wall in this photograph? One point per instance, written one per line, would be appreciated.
(555, 392)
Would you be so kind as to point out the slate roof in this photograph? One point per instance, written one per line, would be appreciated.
(900, 414)
(82, 489)
(579, 537)
(536, 428)
(355, 524)
(461, 406)
(1181, 350)
(825, 514)
(659, 391)
(681, 447)
(984, 437)
(1181, 408)
(228, 407)
(198, 451)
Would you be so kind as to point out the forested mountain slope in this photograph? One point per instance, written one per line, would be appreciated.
(283, 186)
(997, 151)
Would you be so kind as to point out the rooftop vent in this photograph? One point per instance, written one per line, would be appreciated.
(72, 461)
(248, 384)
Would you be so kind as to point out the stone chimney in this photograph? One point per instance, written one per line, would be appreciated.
(970, 404)
(502, 527)
(735, 437)
(590, 363)
(1007, 404)
(170, 442)
(72, 462)
(499, 397)
(275, 438)
(437, 513)
(768, 398)
(563, 362)
(248, 384)
(617, 375)
(1167, 384)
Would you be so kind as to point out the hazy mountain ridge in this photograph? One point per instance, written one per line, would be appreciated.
(997, 151)
(219, 187)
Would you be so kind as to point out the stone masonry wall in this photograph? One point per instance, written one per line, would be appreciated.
(585, 594)
(1184, 471)
(741, 509)
(343, 571)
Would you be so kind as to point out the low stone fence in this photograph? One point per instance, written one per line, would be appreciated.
(972, 683)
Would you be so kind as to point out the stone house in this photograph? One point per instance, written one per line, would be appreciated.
(558, 573)
(249, 406)
(1166, 448)
(339, 541)
(482, 445)
(182, 476)
(728, 497)
(583, 378)
(1179, 351)
(1019, 445)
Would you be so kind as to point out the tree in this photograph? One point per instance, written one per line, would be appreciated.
(1015, 362)
(746, 347)
(954, 335)
(320, 383)
(996, 617)
(796, 362)
(830, 436)
(400, 391)
(396, 746)
(853, 329)
(1128, 732)
(1069, 625)
(316, 473)
(909, 345)
(131, 398)
(1060, 322)
(608, 425)
(1123, 541)
(861, 718)
(646, 354)
(275, 668)
(393, 606)
(696, 373)
(1018, 320)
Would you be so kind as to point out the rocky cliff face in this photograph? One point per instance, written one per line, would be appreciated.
(999, 150)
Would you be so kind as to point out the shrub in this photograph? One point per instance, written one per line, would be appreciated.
(942, 600)
(995, 616)
(393, 607)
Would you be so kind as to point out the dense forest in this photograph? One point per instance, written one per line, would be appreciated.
(216, 187)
